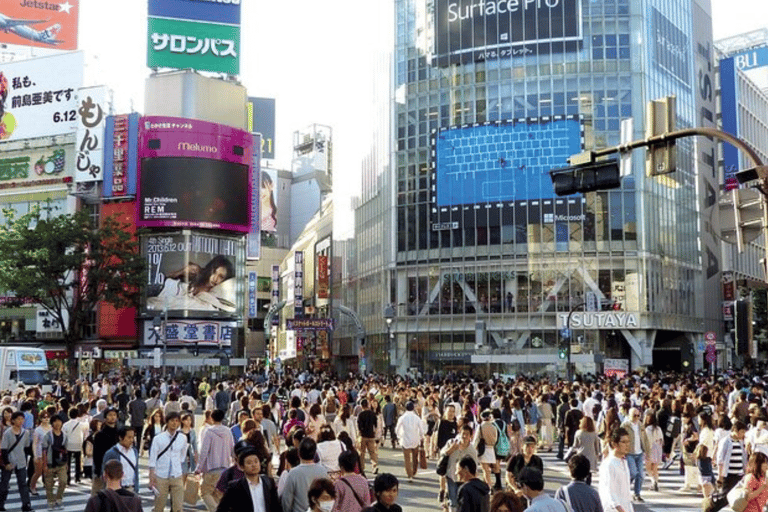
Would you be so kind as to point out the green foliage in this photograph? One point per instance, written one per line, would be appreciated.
(64, 263)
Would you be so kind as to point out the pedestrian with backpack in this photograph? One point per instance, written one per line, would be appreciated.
(113, 496)
(501, 448)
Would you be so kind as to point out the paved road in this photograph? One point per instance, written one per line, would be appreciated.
(421, 495)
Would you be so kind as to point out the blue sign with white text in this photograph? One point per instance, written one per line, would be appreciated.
(212, 11)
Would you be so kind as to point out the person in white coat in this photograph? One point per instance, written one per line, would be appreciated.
(410, 431)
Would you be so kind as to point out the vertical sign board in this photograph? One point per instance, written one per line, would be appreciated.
(120, 155)
(705, 160)
(730, 119)
(92, 114)
(275, 291)
(261, 119)
(253, 240)
(252, 294)
(323, 280)
(298, 285)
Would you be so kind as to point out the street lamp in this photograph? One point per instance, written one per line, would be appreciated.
(389, 315)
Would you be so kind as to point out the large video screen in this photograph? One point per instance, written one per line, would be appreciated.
(468, 31)
(507, 161)
(194, 192)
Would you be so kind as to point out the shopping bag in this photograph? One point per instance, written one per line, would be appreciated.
(422, 458)
(192, 490)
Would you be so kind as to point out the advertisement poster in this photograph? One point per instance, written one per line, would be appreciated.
(227, 11)
(40, 24)
(268, 200)
(29, 167)
(194, 174)
(298, 285)
(193, 274)
(38, 97)
(323, 278)
(468, 31)
(90, 144)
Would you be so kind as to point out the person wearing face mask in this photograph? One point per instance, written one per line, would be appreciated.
(321, 495)
(253, 493)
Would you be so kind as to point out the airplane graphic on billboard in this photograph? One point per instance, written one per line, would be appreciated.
(22, 28)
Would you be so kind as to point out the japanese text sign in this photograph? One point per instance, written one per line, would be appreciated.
(185, 44)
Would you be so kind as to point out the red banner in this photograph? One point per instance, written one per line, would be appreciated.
(323, 281)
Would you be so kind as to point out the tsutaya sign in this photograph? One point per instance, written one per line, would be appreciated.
(599, 320)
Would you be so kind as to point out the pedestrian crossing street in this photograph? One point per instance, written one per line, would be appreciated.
(667, 498)
(421, 495)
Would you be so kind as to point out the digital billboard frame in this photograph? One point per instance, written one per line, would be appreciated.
(543, 206)
(182, 150)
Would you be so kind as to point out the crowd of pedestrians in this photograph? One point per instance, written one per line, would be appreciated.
(303, 442)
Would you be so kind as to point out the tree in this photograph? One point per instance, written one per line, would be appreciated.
(66, 265)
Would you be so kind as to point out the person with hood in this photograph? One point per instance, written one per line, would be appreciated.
(473, 494)
(116, 497)
(215, 456)
(103, 440)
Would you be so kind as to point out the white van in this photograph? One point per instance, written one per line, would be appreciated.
(25, 366)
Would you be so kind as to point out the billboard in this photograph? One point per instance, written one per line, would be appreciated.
(179, 333)
(40, 24)
(214, 11)
(182, 44)
(671, 48)
(194, 174)
(261, 119)
(193, 274)
(268, 200)
(38, 97)
(90, 142)
(33, 167)
(469, 31)
(121, 135)
(504, 161)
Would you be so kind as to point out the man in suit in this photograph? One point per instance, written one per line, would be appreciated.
(254, 493)
(572, 420)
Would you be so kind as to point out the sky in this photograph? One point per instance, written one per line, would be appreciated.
(314, 57)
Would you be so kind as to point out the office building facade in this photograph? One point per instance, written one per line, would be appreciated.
(490, 269)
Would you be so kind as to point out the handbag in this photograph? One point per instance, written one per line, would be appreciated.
(480, 445)
(737, 497)
(442, 465)
(422, 458)
(192, 490)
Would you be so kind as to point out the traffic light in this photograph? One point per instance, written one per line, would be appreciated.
(586, 178)
(660, 157)
(563, 352)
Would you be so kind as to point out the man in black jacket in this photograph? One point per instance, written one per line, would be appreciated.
(241, 495)
(104, 439)
(473, 494)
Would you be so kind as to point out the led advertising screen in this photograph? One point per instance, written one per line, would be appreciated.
(502, 165)
(193, 274)
(194, 174)
(39, 23)
(469, 31)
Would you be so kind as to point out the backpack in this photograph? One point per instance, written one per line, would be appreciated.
(502, 442)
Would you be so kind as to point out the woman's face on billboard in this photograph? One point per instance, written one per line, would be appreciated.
(218, 276)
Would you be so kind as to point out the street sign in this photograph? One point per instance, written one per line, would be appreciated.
(711, 357)
(701, 346)
(565, 333)
(711, 349)
(710, 336)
